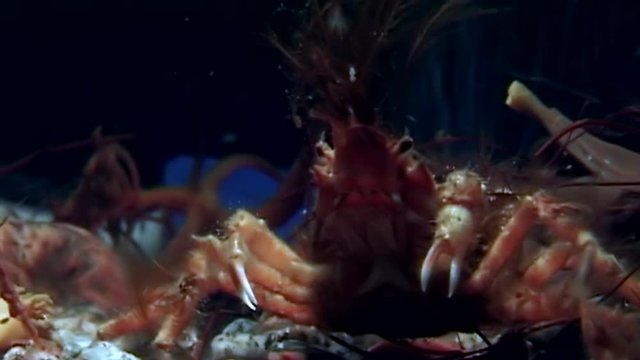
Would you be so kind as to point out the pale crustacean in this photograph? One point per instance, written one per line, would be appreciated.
(383, 230)
(388, 247)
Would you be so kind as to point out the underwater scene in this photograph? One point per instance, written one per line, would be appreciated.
(320, 179)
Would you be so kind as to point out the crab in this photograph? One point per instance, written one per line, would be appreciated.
(389, 249)
(63, 260)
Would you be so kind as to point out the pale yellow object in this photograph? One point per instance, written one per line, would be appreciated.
(12, 330)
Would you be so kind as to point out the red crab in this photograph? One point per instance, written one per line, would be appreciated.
(388, 249)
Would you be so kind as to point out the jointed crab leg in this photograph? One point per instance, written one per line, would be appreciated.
(610, 335)
(547, 265)
(281, 279)
(540, 208)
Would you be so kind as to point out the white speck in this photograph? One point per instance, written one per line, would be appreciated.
(589, 158)
(607, 161)
(211, 73)
(186, 19)
(229, 138)
(352, 74)
(411, 118)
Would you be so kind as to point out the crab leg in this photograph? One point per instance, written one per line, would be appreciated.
(605, 268)
(512, 236)
(170, 306)
(250, 262)
(264, 270)
(547, 265)
(610, 334)
(540, 208)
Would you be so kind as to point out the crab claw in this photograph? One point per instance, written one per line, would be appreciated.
(454, 236)
(455, 273)
(244, 288)
(234, 251)
(429, 263)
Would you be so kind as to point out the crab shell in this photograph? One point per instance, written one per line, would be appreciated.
(365, 166)
(371, 225)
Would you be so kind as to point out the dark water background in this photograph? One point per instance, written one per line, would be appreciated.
(197, 77)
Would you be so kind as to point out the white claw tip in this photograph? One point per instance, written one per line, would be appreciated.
(244, 288)
(428, 264)
(425, 274)
(245, 299)
(455, 272)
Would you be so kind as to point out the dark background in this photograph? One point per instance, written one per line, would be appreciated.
(198, 77)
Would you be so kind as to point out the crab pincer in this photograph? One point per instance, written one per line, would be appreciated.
(456, 227)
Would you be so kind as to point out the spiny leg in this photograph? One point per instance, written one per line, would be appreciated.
(584, 256)
(250, 262)
(169, 307)
(263, 269)
(589, 257)
(547, 265)
(610, 334)
(510, 238)
(607, 273)
(534, 296)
